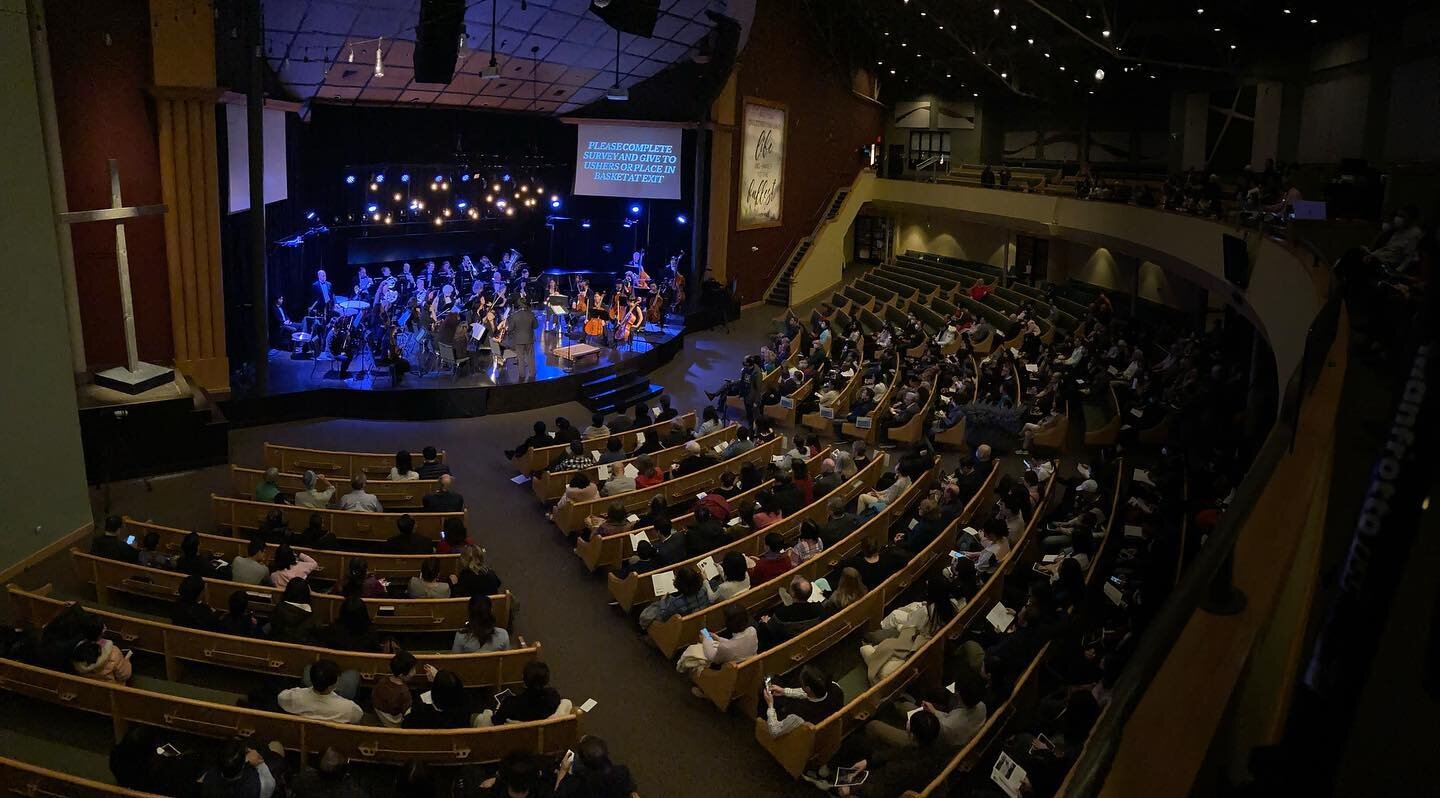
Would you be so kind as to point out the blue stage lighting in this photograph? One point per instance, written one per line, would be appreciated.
(680, 218)
(506, 177)
(554, 203)
(462, 204)
(372, 208)
(309, 214)
(380, 178)
(349, 180)
(439, 178)
(585, 224)
(465, 178)
(635, 209)
(405, 178)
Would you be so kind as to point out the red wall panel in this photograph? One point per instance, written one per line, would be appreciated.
(100, 56)
(783, 62)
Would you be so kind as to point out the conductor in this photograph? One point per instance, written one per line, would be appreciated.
(519, 340)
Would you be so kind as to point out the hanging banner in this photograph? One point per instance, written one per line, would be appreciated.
(762, 165)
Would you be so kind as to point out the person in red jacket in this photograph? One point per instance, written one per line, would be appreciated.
(718, 506)
(772, 563)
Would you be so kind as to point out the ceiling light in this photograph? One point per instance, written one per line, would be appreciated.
(1099, 74)
(1287, 11)
(892, 71)
(997, 11)
(977, 94)
(1004, 74)
(1062, 67)
(1199, 11)
(1217, 30)
(1232, 47)
(942, 27)
(1030, 41)
(1105, 33)
(922, 13)
(887, 33)
(439, 221)
(1013, 26)
(947, 74)
(1314, 21)
(903, 44)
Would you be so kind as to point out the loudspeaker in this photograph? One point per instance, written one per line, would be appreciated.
(1237, 260)
(437, 40)
(630, 16)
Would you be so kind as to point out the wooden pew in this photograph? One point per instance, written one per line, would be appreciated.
(672, 634)
(571, 517)
(241, 515)
(178, 645)
(955, 436)
(610, 550)
(546, 456)
(639, 588)
(125, 705)
(865, 428)
(820, 420)
(784, 411)
(550, 485)
(910, 431)
(334, 464)
(740, 680)
(817, 742)
(393, 495)
(335, 564)
(1056, 436)
(388, 615)
(1109, 432)
(25, 779)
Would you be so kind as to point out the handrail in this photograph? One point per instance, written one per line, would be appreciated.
(1211, 564)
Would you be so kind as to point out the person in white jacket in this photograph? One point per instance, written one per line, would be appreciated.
(740, 641)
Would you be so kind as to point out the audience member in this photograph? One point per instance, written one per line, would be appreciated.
(112, 545)
(444, 499)
(317, 492)
(430, 465)
(405, 541)
(320, 701)
(358, 500)
(190, 609)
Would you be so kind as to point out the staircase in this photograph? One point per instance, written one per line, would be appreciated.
(834, 209)
(780, 289)
(616, 393)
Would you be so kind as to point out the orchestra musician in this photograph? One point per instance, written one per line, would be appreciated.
(630, 320)
(321, 293)
(363, 282)
(281, 325)
(406, 277)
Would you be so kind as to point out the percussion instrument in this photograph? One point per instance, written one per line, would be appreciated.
(350, 307)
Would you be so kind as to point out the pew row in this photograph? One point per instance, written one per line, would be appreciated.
(545, 456)
(334, 463)
(393, 495)
(388, 615)
(241, 515)
(125, 705)
(179, 644)
(550, 485)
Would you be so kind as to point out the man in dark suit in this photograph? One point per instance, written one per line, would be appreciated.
(519, 341)
(321, 294)
(405, 541)
(443, 500)
(281, 325)
(671, 546)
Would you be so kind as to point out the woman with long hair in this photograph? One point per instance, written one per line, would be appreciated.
(473, 576)
(480, 633)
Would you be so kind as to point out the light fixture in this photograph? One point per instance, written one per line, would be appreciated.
(554, 197)
(635, 209)
(349, 180)
(1232, 47)
(380, 178)
(388, 219)
(439, 221)
(1004, 74)
(997, 11)
(1314, 21)
(379, 64)
(489, 197)
(405, 178)
(680, 218)
(892, 71)
(374, 186)
(1030, 42)
(904, 44)
(446, 211)
(445, 185)
(1105, 33)
(616, 92)
(1062, 67)
(554, 203)
(495, 187)
(372, 207)
(351, 59)
(1014, 27)
(375, 217)
(1217, 30)
(1199, 11)
(397, 196)
(310, 215)
(1099, 74)
(509, 211)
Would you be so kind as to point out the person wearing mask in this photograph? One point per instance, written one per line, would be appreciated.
(287, 564)
(320, 700)
(788, 708)
(536, 701)
(358, 499)
(405, 541)
(444, 499)
(96, 656)
(430, 465)
(112, 545)
(429, 585)
(190, 609)
(269, 487)
(240, 773)
(473, 576)
(480, 634)
(317, 492)
(401, 471)
(293, 620)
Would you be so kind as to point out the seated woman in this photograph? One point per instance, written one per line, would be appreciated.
(352, 630)
(293, 620)
(579, 490)
(616, 520)
(360, 582)
(402, 472)
(429, 585)
(453, 536)
(96, 656)
(737, 641)
(190, 609)
(480, 633)
(734, 577)
(1048, 420)
(906, 629)
(690, 595)
(649, 475)
(288, 564)
(449, 706)
(239, 620)
(473, 577)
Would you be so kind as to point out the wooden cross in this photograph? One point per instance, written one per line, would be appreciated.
(141, 376)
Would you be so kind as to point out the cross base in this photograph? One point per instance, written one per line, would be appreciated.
(142, 379)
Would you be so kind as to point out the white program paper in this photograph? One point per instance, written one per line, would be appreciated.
(1007, 775)
(1000, 617)
(663, 583)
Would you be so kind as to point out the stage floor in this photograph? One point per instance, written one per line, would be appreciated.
(299, 388)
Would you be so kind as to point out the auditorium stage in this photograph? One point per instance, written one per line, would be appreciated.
(304, 388)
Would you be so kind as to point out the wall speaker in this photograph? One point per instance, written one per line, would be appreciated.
(437, 40)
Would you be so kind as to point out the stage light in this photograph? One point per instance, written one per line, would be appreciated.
(309, 214)
(474, 214)
(446, 211)
(349, 180)
(462, 205)
(1099, 74)
(405, 178)
(489, 197)
(1105, 33)
(524, 189)
(554, 197)
(380, 178)
(680, 219)
(414, 204)
(509, 211)
(585, 224)
(495, 187)
(500, 203)
(438, 178)
(997, 11)
(539, 189)
(465, 178)
(372, 207)
(376, 217)
(554, 203)
(434, 186)
(422, 206)
(445, 185)
(635, 209)
(374, 186)
(397, 196)
(387, 219)
(505, 177)
(439, 221)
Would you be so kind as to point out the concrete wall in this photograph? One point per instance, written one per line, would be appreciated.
(42, 487)
(941, 233)
(964, 144)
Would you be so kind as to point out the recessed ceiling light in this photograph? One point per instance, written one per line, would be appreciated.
(892, 71)
(1105, 33)
(1287, 11)
(922, 13)
(1232, 47)
(903, 44)
(997, 11)
(942, 27)
(1014, 27)
(1030, 41)
(1217, 30)
(1199, 11)
(1314, 21)
(1004, 74)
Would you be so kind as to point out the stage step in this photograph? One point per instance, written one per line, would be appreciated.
(616, 393)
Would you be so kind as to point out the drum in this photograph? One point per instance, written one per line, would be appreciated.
(352, 307)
